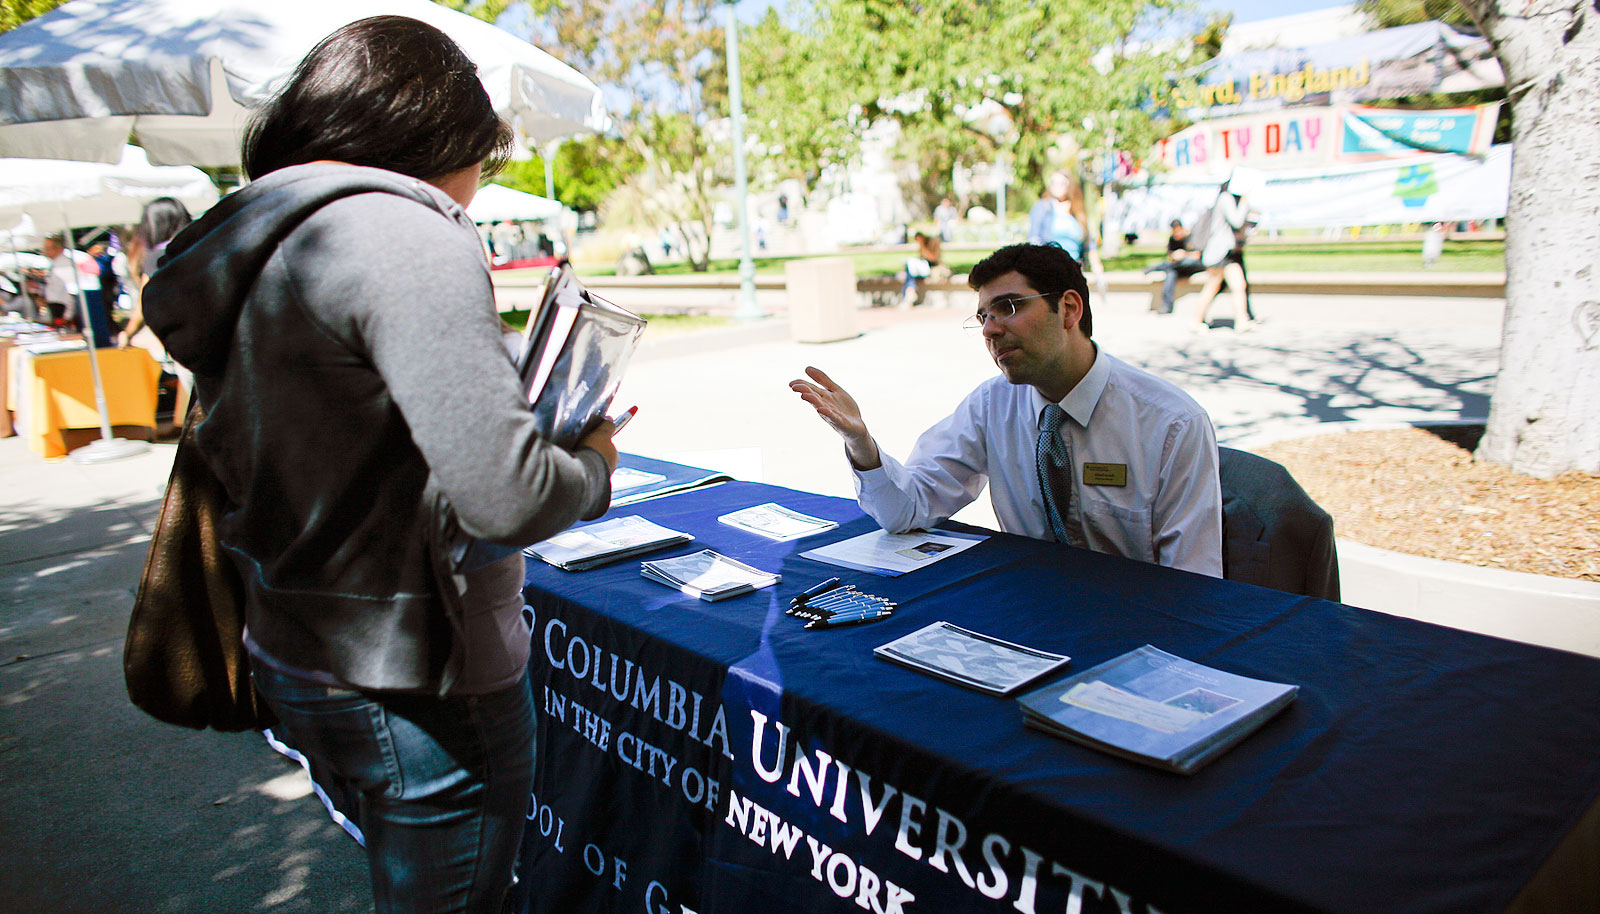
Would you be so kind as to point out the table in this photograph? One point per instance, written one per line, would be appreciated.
(717, 757)
(52, 392)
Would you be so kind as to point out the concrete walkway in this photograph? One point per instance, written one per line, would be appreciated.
(106, 810)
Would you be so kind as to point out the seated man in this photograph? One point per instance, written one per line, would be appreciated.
(1075, 445)
(1181, 260)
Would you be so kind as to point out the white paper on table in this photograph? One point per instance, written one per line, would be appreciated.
(882, 552)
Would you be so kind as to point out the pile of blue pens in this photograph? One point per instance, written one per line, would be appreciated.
(829, 605)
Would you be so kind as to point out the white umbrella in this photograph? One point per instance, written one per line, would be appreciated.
(93, 193)
(498, 203)
(180, 75)
(65, 194)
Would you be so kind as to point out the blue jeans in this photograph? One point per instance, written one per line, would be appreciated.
(439, 787)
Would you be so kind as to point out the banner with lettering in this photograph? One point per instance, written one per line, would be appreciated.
(1307, 137)
(1421, 188)
(1420, 59)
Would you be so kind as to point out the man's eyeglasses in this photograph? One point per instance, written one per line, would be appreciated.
(1001, 309)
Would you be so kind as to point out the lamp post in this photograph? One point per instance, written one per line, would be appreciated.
(748, 308)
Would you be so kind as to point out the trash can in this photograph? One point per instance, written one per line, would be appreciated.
(822, 299)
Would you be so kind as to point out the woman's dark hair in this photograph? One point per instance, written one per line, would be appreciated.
(387, 92)
(1047, 268)
(163, 219)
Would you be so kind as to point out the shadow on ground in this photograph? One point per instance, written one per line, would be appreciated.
(106, 809)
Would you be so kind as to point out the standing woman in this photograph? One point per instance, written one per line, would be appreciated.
(1062, 218)
(1223, 256)
(161, 221)
(359, 409)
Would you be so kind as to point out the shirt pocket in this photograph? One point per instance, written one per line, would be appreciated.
(1127, 528)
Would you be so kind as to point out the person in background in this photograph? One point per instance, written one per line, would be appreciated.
(1075, 445)
(110, 284)
(944, 216)
(160, 221)
(359, 411)
(71, 271)
(1181, 261)
(1061, 217)
(928, 264)
(1223, 253)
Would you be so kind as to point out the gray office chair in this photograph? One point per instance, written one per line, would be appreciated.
(1273, 534)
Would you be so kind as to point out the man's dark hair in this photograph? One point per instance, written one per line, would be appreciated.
(1177, 223)
(1047, 268)
(386, 92)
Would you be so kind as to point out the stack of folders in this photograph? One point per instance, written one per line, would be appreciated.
(708, 575)
(607, 541)
(1152, 707)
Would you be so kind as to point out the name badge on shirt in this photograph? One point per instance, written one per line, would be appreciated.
(1105, 474)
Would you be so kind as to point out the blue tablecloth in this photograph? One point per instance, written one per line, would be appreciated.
(717, 757)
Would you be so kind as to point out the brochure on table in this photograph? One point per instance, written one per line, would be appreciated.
(638, 478)
(708, 575)
(894, 554)
(607, 541)
(971, 659)
(775, 522)
(1153, 707)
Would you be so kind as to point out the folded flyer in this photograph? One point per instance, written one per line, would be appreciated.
(708, 575)
(1153, 707)
(971, 659)
(894, 554)
(607, 541)
(775, 522)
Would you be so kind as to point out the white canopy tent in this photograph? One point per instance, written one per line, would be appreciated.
(67, 194)
(179, 76)
(57, 194)
(498, 203)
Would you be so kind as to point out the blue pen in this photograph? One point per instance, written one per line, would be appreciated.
(851, 618)
(810, 592)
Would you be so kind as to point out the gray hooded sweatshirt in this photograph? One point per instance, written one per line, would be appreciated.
(361, 410)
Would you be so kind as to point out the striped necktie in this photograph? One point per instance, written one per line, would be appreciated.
(1053, 458)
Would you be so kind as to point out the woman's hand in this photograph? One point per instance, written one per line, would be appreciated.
(600, 441)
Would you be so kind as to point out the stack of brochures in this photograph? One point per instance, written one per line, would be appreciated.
(970, 659)
(775, 522)
(575, 349)
(708, 575)
(607, 541)
(1152, 707)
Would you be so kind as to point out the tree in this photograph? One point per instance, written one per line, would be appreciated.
(586, 171)
(669, 57)
(487, 10)
(1544, 418)
(943, 68)
(15, 12)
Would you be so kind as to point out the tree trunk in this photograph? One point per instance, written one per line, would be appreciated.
(1544, 419)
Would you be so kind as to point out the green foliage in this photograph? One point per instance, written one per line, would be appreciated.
(586, 171)
(487, 10)
(967, 80)
(15, 12)
(670, 58)
(1390, 13)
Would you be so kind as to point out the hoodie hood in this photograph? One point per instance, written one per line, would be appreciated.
(208, 271)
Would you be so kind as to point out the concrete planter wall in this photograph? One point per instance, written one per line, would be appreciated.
(1532, 608)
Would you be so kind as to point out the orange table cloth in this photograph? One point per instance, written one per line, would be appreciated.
(53, 392)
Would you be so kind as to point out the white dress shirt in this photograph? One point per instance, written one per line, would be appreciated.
(1169, 511)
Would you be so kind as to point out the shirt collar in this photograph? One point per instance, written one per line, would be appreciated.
(1082, 399)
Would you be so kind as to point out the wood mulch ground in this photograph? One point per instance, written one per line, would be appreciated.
(1420, 491)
